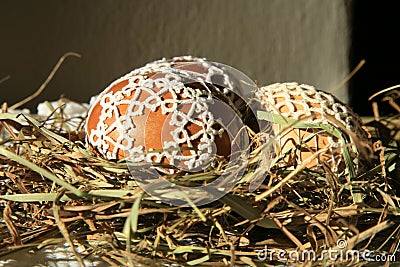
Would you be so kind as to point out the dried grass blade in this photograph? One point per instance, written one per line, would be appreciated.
(194, 207)
(10, 225)
(289, 176)
(368, 233)
(249, 261)
(199, 260)
(34, 197)
(46, 132)
(63, 228)
(247, 211)
(41, 171)
(2, 80)
(131, 222)
(46, 82)
(109, 193)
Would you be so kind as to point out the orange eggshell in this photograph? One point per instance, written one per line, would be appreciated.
(152, 127)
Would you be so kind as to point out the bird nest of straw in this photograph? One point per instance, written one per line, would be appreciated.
(53, 189)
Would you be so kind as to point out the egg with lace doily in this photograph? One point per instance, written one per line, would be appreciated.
(155, 114)
(301, 114)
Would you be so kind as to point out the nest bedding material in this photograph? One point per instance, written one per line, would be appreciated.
(53, 187)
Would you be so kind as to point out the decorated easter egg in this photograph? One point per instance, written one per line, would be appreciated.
(166, 112)
(301, 116)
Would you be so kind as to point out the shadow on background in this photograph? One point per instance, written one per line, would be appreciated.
(376, 28)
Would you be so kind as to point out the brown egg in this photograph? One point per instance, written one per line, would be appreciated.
(306, 104)
(150, 114)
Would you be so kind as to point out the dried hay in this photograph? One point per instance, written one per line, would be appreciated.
(54, 189)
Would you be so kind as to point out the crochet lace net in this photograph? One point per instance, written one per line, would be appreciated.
(305, 103)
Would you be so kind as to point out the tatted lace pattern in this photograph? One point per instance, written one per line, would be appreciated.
(213, 73)
(165, 81)
(305, 103)
(164, 63)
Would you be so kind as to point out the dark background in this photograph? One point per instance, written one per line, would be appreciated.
(269, 40)
(375, 38)
(316, 42)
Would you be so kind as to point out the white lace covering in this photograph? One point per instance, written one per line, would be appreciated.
(305, 103)
(165, 89)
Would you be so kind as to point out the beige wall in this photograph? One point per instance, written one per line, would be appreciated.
(270, 40)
